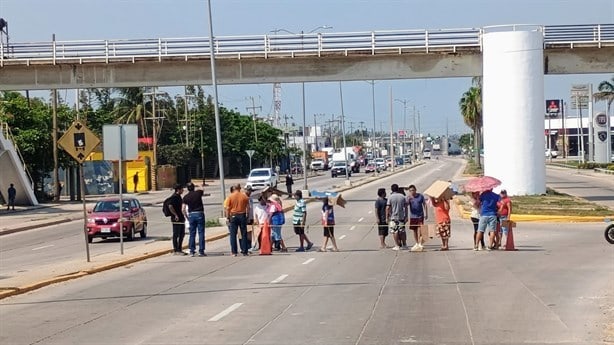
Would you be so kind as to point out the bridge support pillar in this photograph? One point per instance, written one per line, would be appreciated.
(513, 108)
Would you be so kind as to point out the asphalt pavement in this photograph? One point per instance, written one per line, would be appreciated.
(556, 289)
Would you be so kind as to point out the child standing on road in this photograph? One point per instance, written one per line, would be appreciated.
(328, 223)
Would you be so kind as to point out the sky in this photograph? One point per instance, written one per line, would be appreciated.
(435, 99)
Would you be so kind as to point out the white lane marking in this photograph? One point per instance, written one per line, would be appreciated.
(353, 227)
(225, 312)
(43, 247)
(361, 219)
(341, 237)
(280, 278)
(308, 261)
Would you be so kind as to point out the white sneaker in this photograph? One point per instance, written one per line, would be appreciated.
(415, 248)
(396, 248)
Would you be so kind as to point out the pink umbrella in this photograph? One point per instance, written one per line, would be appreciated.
(480, 184)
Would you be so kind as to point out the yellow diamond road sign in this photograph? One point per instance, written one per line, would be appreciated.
(79, 141)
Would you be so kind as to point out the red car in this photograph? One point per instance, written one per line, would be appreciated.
(103, 219)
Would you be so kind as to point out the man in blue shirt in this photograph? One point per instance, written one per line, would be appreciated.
(488, 218)
(418, 213)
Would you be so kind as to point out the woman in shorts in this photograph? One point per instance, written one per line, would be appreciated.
(328, 223)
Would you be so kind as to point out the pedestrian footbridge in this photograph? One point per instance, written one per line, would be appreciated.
(14, 170)
(309, 57)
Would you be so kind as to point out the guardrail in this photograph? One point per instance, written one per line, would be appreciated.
(287, 45)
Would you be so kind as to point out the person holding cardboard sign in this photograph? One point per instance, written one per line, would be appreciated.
(442, 218)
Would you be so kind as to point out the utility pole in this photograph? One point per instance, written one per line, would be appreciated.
(253, 109)
(413, 136)
(186, 119)
(54, 135)
(362, 132)
(391, 131)
(315, 128)
(154, 118)
(352, 130)
(404, 102)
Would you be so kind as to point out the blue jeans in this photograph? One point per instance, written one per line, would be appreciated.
(503, 228)
(197, 222)
(238, 223)
(489, 222)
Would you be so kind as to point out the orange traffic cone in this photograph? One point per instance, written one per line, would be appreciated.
(266, 248)
(509, 243)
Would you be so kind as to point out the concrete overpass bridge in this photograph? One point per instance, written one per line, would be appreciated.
(315, 57)
(511, 59)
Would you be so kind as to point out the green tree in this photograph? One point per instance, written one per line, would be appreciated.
(606, 93)
(471, 109)
(30, 122)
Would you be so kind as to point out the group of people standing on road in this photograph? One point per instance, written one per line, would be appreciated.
(188, 209)
(395, 215)
(395, 212)
(490, 211)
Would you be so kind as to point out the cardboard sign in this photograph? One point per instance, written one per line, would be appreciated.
(440, 190)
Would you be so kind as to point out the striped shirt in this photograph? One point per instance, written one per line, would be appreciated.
(299, 211)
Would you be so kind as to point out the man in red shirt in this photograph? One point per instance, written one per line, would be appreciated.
(504, 210)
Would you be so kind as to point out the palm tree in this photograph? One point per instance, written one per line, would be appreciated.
(606, 93)
(471, 109)
(128, 107)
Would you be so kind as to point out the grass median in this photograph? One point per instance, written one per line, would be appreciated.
(552, 203)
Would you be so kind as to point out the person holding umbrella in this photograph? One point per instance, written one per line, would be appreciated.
(488, 208)
(488, 217)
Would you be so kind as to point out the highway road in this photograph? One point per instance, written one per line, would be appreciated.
(556, 289)
(46, 246)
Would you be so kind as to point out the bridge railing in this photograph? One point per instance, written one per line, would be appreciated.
(578, 34)
(308, 44)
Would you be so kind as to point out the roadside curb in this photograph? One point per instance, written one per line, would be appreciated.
(12, 291)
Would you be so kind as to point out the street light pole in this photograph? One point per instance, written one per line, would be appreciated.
(404, 101)
(372, 82)
(304, 141)
(345, 154)
(218, 130)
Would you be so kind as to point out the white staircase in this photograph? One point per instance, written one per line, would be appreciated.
(13, 170)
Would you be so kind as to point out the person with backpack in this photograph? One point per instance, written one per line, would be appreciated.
(172, 208)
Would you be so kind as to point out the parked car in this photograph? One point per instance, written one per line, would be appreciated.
(339, 169)
(371, 167)
(551, 153)
(103, 219)
(262, 177)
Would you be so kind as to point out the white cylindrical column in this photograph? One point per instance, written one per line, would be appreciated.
(513, 109)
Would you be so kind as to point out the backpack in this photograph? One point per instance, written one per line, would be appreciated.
(165, 206)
